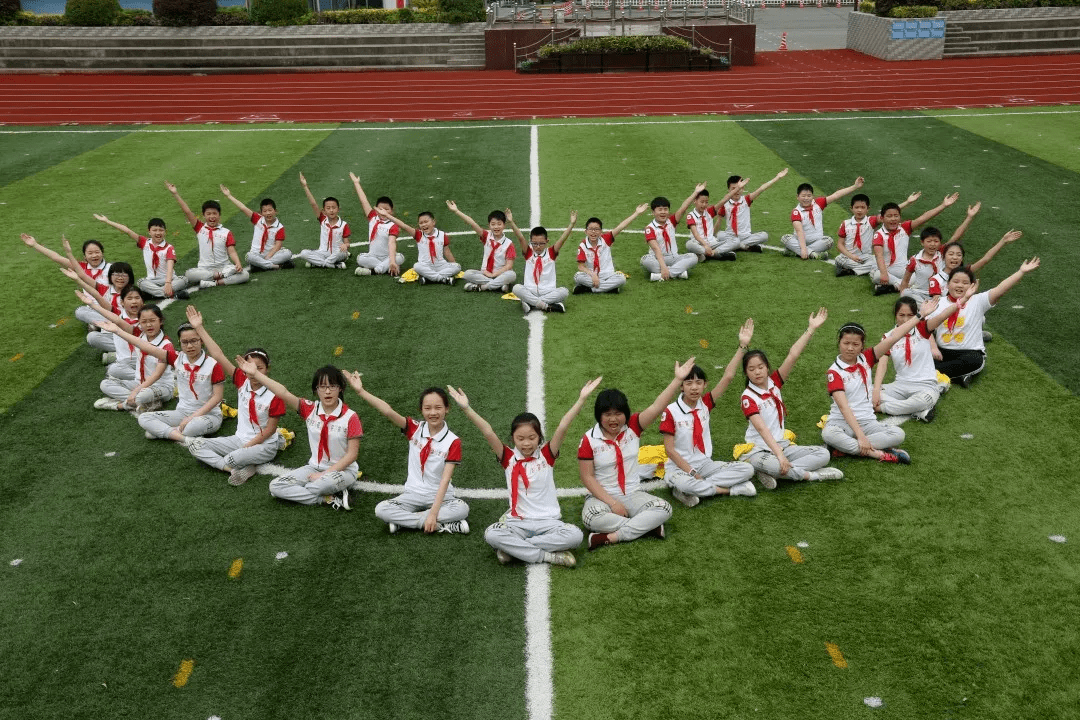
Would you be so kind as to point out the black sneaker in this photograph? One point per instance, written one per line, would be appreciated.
(884, 289)
(928, 416)
(582, 289)
(843, 271)
(987, 336)
(288, 264)
(754, 249)
(557, 307)
(726, 256)
(181, 294)
(657, 532)
(614, 291)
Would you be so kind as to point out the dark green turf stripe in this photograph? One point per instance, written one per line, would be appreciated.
(26, 152)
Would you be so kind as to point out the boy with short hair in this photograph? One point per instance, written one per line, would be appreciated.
(538, 289)
(218, 262)
(334, 233)
(596, 269)
(705, 242)
(891, 244)
(665, 262)
(736, 209)
(808, 239)
(382, 256)
(434, 261)
(922, 266)
(268, 236)
(159, 256)
(496, 271)
(858, 257)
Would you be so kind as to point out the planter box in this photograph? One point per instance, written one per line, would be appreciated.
(669, 60)
(665, 61)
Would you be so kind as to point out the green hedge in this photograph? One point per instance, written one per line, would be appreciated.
(267, 12)
(9, 10)
(620, 44)
(91, 13)
(913, 11)
(183, 13)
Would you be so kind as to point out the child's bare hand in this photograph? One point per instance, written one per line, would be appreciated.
(914, 196)
(587, 390)
(28, 239)
(1030, 265)
(573, 218)
(303, 180)
(699, 187)
(973, 210)
(194, 317)
(746, 180)
(225, 191)
(248, 367)
(641, 208)
(782, 173)
(70, 273)
(170, 187)
(509, 216)
(458, 395)
(102, 218)
(107, 325)
(395, 269)
(859, 182)
(452, 205)
(818, 319)
(929, 306)
(950, 199)
(746, 332)
(431, 522)
(353, 378)
(1011, 236)
(681, 371)
(354, 178)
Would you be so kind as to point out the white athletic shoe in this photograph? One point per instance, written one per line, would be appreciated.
(471, 287)
(656, 277)
(460, 527)
(745, 489)
(307, 264)
(148, 407)
(827, 473)
(685, 498)
(525, 307)
(822, 255)
(106, 403)
(506, 288)
(684, 275)
(150, 435)
(767, 481)
(362, 271)
(239, 476)
(207, 284)
(108, 358)
(563, 557)
(392, 527)
(503, 558)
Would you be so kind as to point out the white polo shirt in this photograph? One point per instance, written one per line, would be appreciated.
(811, 218)
(677, 420)
(531, 483)
(428, 455)
(540, 269)
(597, 258)
(265, 235)
(343, 425)
(737, 213)
(254, 408)
(912, 357)
(664, 235)
(604, 454)
(856, 381)
(379, 232)
(769, 405)
(895, 244)
(195, 380)
(429, 248)
(702, 221)
(332, 237)
(859, 235)
(156, 257)
(214, 244)
(963, 329)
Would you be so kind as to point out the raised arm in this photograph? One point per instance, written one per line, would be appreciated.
(117, 226)
(195, 319)
(972, 211)
(310, 198)
(926, 310)
(241, 206)
(1010, 282)
(765, 186)
(140, 342)
(911, 199)
(898, 332)
(1011, 236)
(467, 220)
(817, 319)
(387, 216)
(566, 233)
(51, 254)
(932, 212)
(252, 371)
(746, 334)
(646, 416)
(845, 191)
(557, 437)
(629, 219)
(360, 193)
(681, 212)
(523, 241)
(379, 404)
(483, 425)
(190, 216)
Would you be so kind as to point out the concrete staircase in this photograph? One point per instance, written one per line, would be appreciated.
(1004, 35)
(242, 49)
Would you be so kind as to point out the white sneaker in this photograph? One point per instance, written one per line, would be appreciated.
(392, 527)
(827, 473)
(105, 403)
(108, 358)
(563, 557)
(745, 489)
(656, 277)
(195, 444)
(525, 307)
(148, 407)
(307, 264)
(207, 284)
(345, 499)
(685, 498)
(767, 481)
(506, 288)
(449, 280)
(150, 435)
(503, 558)
(460, 527)
(362, 271)
(684, 275)
(239, 476)
(822, 255)
(471, 287)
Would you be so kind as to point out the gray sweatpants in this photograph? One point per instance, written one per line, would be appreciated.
(892, 279)
(791, 242)
(121, 369)
(745, 242)
(376, 264)
(101, 340)
(156, 288)
(714, 474)
(607, 282)
(647, 512)
(161, 423)
(729, 243)
(909, 398)
(839, 435)
(676, 263)
(920, 295)
(438, 271)
(85, 314)
(528, 540)
(229, 453)
(863, 267)
(295, 486)
(199, 274)
(118, 389)
(279, 258)
(543, 299)
(319, 258)
(494, 284)
(410, 510)
(803, 458)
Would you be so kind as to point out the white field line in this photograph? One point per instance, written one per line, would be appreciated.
(609, 123)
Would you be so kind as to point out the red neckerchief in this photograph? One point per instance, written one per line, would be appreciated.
(491, 256)
(810, 213)
(618, 460)
(699, 432)
(192, 371)
(891, 235)
(932, 262)
(95, 273)
(154, 260)
(781, 411)
(253, 414)
(860, 368)
(431, 246)
(734, 217)
(858, 233)
(518, 475)
(210, 238)
(537, 269)
(330, 235)
(265, 236)
(324, 435)
(951, 322)
(667, 240)
(425, 452)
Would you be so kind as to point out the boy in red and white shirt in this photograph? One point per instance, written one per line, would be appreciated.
(856, 236)
(891, 244)
(334, 233)
(382, 256)
(538, 288)
(434, 261)
(704, 239)
(159, 257)
(808, 239)
(922, 266)
(267, 238)
(736, 208)
(496, 272)
(664, 261)
(596, 268)
(218, 262)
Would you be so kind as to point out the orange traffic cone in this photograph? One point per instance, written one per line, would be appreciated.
(783, 42)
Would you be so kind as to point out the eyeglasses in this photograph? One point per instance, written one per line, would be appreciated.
(191, 341)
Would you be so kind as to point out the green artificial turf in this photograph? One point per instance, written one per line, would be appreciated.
(1050, 133)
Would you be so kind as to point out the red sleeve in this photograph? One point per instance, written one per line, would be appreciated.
(102, 289)
(446, 240)
(277, 407)
(709, 402)
(580, 254)
(140, 243)
(346, 231)
(217, 375)
(650, 232)
(795, 216)
(935, 286)
(394, 230)
(907, 226)
(911, 264)
(453, 455)
(711, 210)
(529, 253)
(306, 408)
(842, 232)
(238, 378)
(321, 218)
(923, 330)
(553, 253)
(723, 211)
(749, 407)
(170, 355)
(608, 238)
(417, 235)
(584, 449)
(821, 202)
(170, 254)
(373, 214)
(511, 253)
(356, 430)
(635, 425)
(777, 380)
(548, 455)
(230, 240)
(198, 226)
(280, 235)
(834, 382)
(874, 221)
(667, 424)
(749, 200)
(879, 240)
(506, 457)
(690, 222)
(674, 222)
(410, 427)
(871, 356)
(255, 217)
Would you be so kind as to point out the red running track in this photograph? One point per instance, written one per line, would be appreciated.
(791, 82)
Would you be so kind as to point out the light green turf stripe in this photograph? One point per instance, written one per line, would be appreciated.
(121, 179)
(1053, 137)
